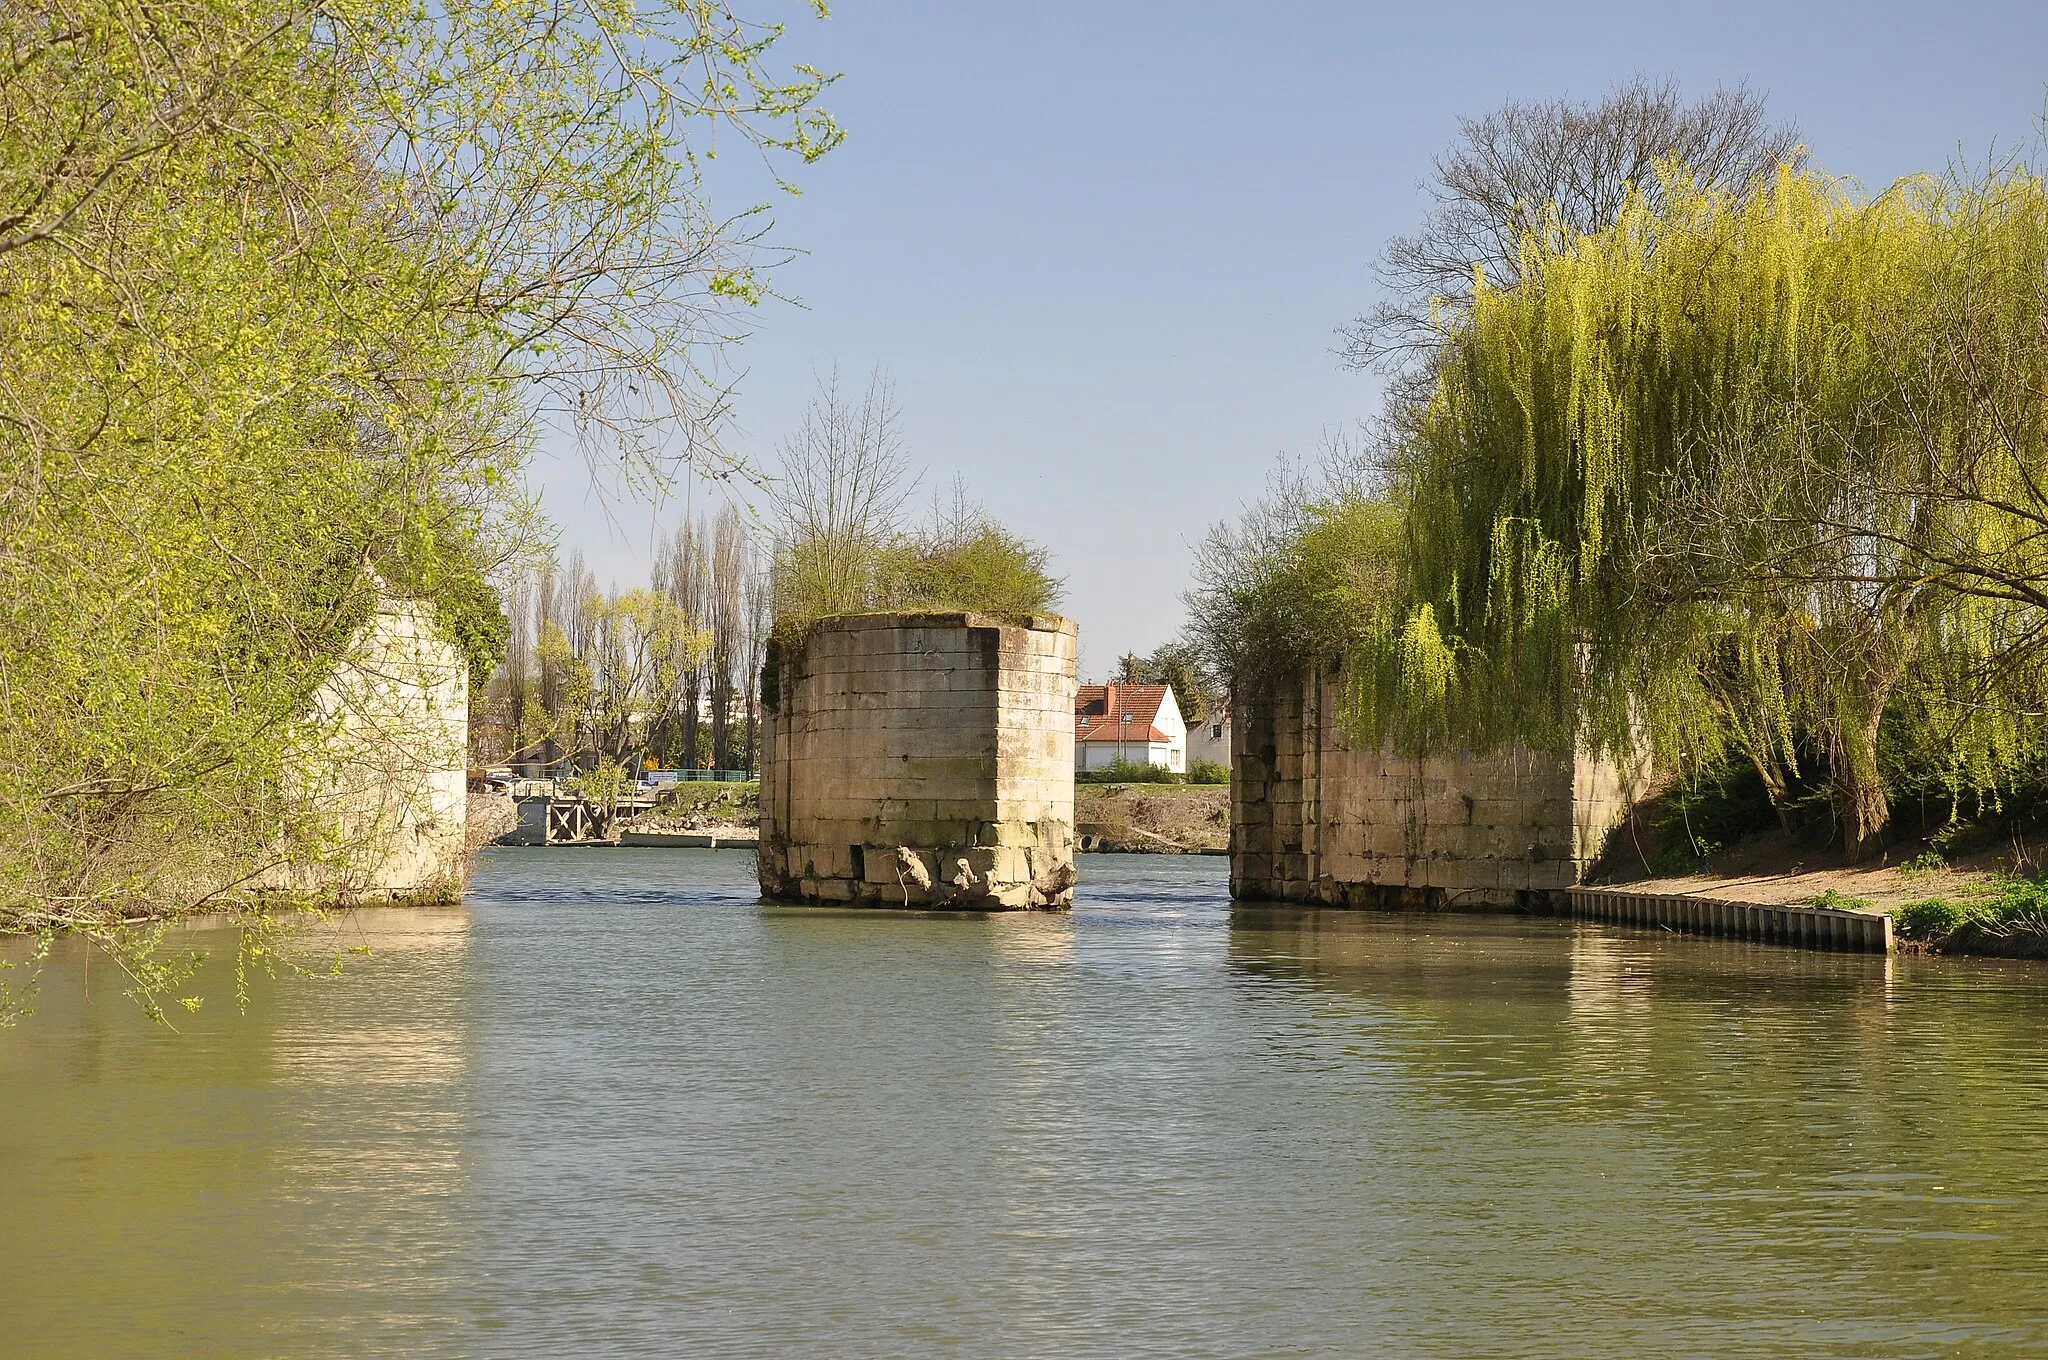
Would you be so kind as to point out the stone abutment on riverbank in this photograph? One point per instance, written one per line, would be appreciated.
(1316, 819)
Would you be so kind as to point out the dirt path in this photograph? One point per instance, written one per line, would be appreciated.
(1773, 870)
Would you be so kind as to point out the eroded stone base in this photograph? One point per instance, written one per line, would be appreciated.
(922, 760)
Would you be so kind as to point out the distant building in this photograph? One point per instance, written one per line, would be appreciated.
(1139, 724)
(1210, 739)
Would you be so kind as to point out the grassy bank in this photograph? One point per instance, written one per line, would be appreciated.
(2000, 914)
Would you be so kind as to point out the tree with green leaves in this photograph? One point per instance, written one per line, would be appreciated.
(1719, 478)
(287, 289)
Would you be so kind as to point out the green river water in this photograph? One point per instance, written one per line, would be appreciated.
(613, 1106)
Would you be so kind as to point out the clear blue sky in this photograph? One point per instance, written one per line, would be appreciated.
(1103, 247)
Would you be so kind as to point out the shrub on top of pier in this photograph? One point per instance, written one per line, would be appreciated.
(846, 541)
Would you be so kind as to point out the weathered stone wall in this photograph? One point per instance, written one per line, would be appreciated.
(921, 760)
(1315, 820)
(386, 775)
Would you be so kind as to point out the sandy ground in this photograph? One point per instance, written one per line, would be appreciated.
(1157, 818)
(1773, 870)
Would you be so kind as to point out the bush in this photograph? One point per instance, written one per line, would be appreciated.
(2011, 908)
(1127, 772)
(1208, 772)
(1934, 919)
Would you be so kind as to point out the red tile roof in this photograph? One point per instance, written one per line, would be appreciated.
(1133, 734)
(1099, 711)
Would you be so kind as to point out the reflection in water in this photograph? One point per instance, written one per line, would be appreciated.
(617, 1107)
(397, 1047)
(278, 1182)
(1763, 1150)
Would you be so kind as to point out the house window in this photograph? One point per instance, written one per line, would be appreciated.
(1217, 732)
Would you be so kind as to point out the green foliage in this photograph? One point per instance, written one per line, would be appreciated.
(1925, 863)
(2009, 910)
(1679, 488)
(281, 312)
(1311, 573)
(1208, 772)
(1935, 918)
(603, 784)
(1703, 814)
(844, 545)
(981, 566)
(1130, 772)
(1750, 476)
(447, 569)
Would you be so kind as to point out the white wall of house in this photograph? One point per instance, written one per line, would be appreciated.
(1210, 740)
(1171, 754)
(1096, 755)
(1175, 727)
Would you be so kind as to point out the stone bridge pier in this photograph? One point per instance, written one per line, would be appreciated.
(1317, 819)
(920, 760)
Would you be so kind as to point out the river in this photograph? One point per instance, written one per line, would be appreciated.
(613, 1106)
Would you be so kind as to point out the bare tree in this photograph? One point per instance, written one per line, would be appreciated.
(1557, 169)
(845, 480)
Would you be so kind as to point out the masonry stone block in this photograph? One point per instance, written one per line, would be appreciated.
(922, 760)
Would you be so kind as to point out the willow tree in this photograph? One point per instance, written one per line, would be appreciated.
(1689, 483)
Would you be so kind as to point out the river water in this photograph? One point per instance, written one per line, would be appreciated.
(612, 1106)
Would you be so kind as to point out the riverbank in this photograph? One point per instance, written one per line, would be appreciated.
(1142, 819)
(1153, 819)
(1985, 900)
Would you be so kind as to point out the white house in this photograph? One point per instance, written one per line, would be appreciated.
(1210, 739)
(1139, 724)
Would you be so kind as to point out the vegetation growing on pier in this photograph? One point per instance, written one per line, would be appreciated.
(848, 541)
